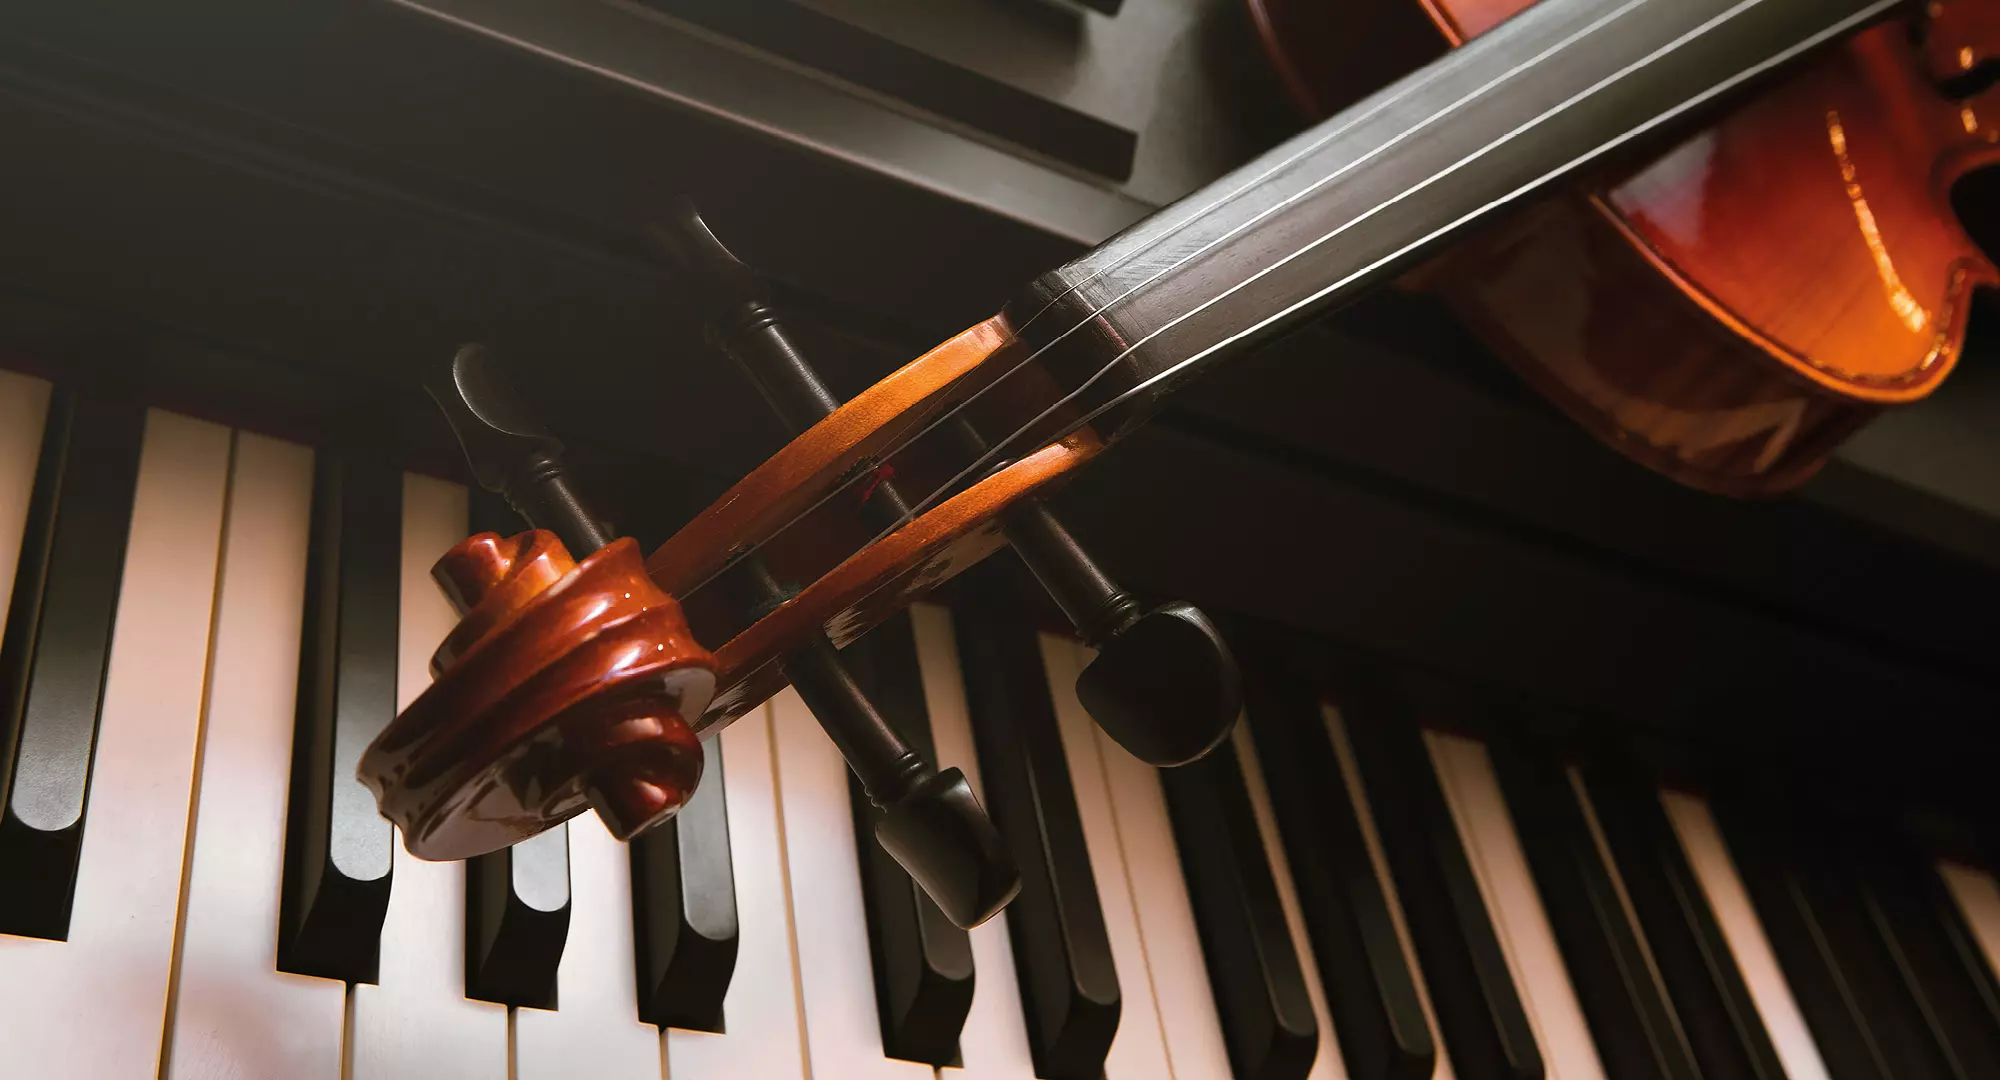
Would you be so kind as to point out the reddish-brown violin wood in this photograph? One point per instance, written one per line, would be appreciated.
(1726, 308)
(823, 457)
(1730, 305)
(883, 578)
(803, 502)
(563, 686)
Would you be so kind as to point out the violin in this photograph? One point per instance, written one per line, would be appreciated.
(576, 678)
(1728, 304)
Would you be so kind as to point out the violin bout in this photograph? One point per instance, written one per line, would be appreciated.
(564, 685)
(1724, 303)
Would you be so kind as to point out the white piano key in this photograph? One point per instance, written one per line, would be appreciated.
(1350, 770)
(1139, 1050)
(1978, 898)
(96, 1005)
(1327, 1064)
(843, 1029)
(234, 1013)
(24, 406)
(416, 1021)
(1708, 856)
(994, 1042)
(1168, 967)
(1179, 976)
(1487, 829)
(595, 1029)
(760, 1015)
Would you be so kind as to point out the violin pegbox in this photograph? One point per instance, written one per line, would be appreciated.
(565, 685)
(1163, 684)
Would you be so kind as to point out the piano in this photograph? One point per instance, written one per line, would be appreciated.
(1380, 875)
(1548, 769)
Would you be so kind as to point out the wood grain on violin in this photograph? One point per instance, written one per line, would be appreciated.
(1727, 305)
(561, 687)
(1089, 350)
(579, 681)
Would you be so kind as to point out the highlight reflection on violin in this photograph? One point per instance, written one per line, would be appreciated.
(1729, 302)
(882, 498)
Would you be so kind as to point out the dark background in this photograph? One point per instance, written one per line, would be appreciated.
(275, 214)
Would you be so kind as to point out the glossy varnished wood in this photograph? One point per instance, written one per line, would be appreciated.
(884, 577)
(853, 590)
(561, 686)
(1113, 332)
(1099, 343)
(1730, 303)
(792, 480)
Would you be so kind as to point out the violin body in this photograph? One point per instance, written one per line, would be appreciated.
(1728, 304)
(799, 557)
(1087, 351)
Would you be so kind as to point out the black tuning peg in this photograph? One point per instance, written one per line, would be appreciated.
(1163, 684)
(931, 823)
(511, 453)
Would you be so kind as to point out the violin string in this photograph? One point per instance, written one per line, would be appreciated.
(993, 453)
(959, 407)
(1367, 113)
(1470, 216)
(1430, 75)
(1719, 19)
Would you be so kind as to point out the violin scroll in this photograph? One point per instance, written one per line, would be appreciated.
(565, 685)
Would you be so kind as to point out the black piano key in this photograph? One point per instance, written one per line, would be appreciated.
(1844, 975)
(1920, 932)
(684, 908)
(1478, 1009)
(517, 920)
(1370, 991)
(1253, 966)
(923, 963)
(338, 848)
(1969, 958)
(1062, 956)
(1695, 964)
(516, 899)
(58, 641)
(1631, 1021)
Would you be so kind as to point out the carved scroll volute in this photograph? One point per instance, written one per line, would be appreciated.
(564, 685)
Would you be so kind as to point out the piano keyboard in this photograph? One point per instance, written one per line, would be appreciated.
(205, 623)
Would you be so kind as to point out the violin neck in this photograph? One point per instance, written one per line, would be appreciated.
(1367, 193)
